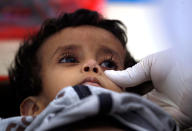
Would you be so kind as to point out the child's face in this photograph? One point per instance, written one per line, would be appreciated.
(79, 55)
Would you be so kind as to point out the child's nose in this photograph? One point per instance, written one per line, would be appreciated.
(91, 66)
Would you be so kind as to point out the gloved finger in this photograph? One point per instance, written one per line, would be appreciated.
(132, 76)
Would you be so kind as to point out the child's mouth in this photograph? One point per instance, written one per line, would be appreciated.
(91, 81)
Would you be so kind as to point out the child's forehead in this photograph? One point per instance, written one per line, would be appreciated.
(87, 37)
(84, 32)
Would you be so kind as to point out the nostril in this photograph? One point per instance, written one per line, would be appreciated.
(86, 69)
(95, 70)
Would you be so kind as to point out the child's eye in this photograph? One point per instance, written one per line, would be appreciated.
(109, 64)
(68, 59)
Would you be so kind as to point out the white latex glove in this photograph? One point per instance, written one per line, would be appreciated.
(172, 83)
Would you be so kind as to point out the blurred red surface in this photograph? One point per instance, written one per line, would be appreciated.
(3, 78)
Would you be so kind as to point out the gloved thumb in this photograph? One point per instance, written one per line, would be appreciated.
(134, 75)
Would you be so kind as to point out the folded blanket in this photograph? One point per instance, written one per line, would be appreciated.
(73, 104)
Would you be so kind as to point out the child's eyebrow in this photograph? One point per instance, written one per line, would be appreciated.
(66, 48)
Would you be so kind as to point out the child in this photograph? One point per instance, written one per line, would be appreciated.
(74, 49)
(65, 52)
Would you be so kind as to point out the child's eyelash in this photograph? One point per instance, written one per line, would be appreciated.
(108, 61)
(112, 59)
(66, 55)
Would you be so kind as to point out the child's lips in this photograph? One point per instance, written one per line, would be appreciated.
(91, 81)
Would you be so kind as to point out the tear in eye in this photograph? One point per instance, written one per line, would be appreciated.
(109, 64)
(68, 59)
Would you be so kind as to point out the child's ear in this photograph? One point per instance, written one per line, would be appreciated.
(31, 106)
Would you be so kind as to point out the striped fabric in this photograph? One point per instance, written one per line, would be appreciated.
(81, 107)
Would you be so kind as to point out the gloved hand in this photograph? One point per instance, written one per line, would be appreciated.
(171, 79)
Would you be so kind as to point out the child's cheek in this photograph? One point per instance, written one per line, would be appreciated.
(111, 85)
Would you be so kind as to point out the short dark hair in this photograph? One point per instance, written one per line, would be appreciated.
(24, 72)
